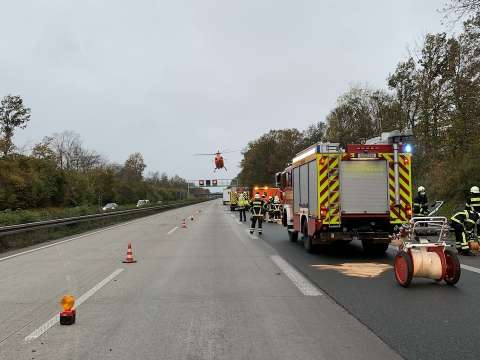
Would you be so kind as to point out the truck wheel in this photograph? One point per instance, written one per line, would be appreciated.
(307, 240)
(403, 268)
(293, 236)
(374, 249)
(453, 270)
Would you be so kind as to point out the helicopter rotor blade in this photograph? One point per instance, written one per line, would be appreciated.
(204, 154)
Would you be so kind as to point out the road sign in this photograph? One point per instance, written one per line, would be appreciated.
(212, 182)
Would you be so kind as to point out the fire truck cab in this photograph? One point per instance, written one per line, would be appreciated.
(362, 192)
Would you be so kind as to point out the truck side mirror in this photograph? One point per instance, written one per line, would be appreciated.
(278, 179)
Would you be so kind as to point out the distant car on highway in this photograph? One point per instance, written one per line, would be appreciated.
(110, 206)
(141, 203)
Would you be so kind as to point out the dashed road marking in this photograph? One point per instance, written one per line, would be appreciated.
(470, 268)
(173, 230)
(44, 328)
(301, 282)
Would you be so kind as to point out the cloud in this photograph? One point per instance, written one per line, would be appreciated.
(170, 79)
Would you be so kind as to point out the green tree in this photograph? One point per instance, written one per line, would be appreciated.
(13, 114)
(361, 114)
(269, 154)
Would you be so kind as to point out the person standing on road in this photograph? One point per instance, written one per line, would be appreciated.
(473, 201)
(420, 202)
(465, 223)
(257, 208)
(242, 205)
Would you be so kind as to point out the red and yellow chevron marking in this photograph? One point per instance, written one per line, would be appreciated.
(329, 187)
(398, 214)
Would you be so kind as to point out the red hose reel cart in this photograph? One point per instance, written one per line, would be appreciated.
(423, 252)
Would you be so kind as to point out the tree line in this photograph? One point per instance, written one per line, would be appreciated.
(60, 171)
(435, 92)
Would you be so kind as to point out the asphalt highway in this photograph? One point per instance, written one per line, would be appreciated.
(428, 320)
(208, 291)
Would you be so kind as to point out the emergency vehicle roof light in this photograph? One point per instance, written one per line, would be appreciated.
(407, 148)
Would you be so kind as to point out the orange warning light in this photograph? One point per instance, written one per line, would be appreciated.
(67, 302)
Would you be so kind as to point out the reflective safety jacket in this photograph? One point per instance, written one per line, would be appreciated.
(473, 203)
(242, 203)
(420, 205)
(468, 219)
(257, 207)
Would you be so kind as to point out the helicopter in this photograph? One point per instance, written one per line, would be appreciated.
(219, 159)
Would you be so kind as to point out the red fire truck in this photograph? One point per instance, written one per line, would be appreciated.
(362, 192)
(268, 191)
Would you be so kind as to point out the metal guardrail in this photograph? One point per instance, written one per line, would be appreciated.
(13, 229)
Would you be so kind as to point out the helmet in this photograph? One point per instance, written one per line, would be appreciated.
(474, 190)
(421, 189)
(276, 199)
(257, 196)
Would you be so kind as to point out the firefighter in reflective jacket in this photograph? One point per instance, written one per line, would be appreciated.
(473, 201)
(420, 202)
(465, 223)
(257, 208)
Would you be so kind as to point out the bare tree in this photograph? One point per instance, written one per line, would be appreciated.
(462, 8)
(70, 153)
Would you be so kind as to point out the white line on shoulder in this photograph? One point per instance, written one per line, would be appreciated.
(301, 282)
(47, 325)
(70, 239)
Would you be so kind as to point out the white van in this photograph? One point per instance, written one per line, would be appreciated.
(226, 196)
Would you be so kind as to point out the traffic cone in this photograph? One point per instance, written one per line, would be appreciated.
(129, 259)
(184, 224)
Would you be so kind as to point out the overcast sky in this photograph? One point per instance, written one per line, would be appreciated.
(172, 78)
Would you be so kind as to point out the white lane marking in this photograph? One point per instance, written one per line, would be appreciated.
(300, 281)
(470, 268)
(171, 231)
(42, 329)
(71, 239)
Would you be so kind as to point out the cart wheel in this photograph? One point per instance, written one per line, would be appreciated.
(453, 270)
(403, 268)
